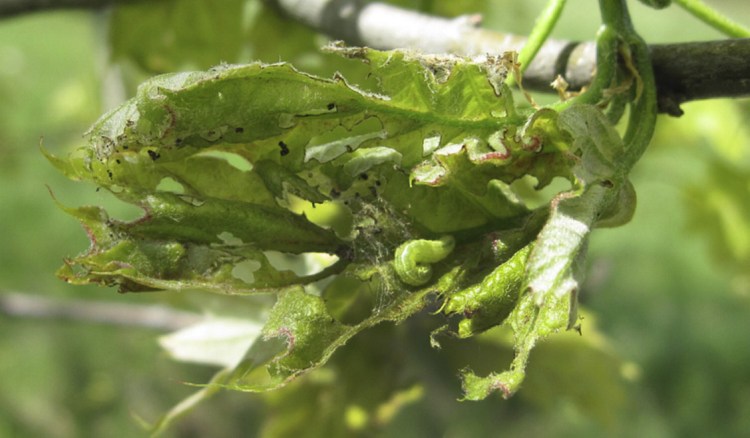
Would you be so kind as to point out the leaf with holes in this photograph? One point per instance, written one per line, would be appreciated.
(408, 190)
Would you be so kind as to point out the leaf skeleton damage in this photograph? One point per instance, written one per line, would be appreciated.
(418, 184)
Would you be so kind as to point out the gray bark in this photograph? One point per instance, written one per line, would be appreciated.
(10, 8)
(19, 305)
(684, 72)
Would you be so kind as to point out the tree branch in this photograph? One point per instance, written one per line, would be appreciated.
(684, 72)
(701, 70)
(9, 8)
(155, 317)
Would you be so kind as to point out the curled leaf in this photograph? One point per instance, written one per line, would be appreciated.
(223, 162)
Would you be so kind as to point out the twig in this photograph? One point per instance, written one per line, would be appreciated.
(701, 70)
(22, 305)
(684, 72)
(9, 8)
(714, 19)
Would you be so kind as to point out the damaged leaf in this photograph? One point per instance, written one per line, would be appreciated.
(422, 169)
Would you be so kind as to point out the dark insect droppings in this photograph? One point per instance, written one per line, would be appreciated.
(284, 148)
(153, 154)
(239, 130)
(331, 106)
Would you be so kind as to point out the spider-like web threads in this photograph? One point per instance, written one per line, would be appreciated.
(378, 231)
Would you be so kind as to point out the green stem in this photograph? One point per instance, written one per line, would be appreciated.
(643, 109)
(618, 29)
(539, 34)
(617, 107)
(615, 14)
(714, 19)
(607, 42)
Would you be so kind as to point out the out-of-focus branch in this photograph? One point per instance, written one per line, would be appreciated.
(9, 8)
(155, 317)
(700, 70)
(684, 72)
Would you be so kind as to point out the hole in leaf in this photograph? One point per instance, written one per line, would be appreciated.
(301, 264)
(340, 140)
(228, 238)
(532, 198)
(168, 184)
(495, 141)
(192, 200)
(431, 143)
(237, 161)
(244, 270)
(330, 215)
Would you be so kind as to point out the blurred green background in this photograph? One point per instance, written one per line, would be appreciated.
(665, 350)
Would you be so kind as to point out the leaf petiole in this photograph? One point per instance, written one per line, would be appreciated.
(539, 34)
(714, 18)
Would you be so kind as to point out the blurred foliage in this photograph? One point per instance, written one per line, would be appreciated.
(174, 35)
(670, 291)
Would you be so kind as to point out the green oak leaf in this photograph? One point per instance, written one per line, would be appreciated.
(487, 303)
(225, 162)
(554, 267)
(310, 334)
(174, 34)
(243, 142)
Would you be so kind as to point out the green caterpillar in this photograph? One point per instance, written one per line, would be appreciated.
(413, 259)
